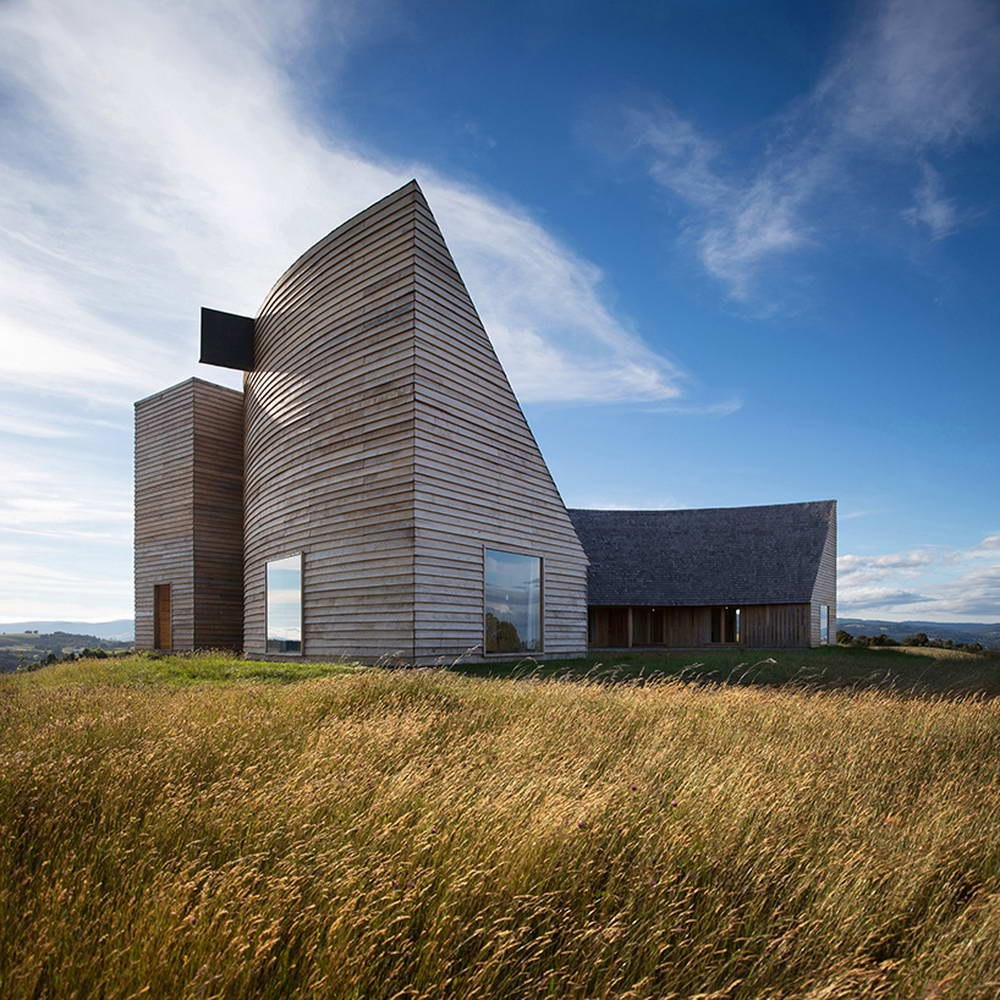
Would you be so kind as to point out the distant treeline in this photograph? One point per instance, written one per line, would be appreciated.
(917, 639)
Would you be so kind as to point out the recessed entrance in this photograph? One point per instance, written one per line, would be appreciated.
(162, 637)
(726, 624)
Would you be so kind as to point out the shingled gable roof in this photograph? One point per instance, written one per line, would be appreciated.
(725, 555)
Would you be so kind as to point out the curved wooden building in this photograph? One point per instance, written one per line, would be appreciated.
(389, 469)
(375, 491)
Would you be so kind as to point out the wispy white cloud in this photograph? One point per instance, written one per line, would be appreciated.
(937, 582)
(683, 160)
(877, 566)
(915, 77)
(721, 408)
(868, 598)
(737, 226)
(23, 425)
(84, 591)
(62, 502)
(65, 536)
(931, 208)
(917, 73)
(158, 157)
(189, 172)
(975, 593)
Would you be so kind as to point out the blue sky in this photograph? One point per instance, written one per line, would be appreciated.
(729, 253)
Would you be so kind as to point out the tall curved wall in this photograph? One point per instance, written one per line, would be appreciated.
(329, 438)
(384, 443)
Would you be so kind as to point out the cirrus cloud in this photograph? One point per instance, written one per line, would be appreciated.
(914, 79)
(160, 156)
(157, 157)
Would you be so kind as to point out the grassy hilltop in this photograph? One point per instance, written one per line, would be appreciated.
(207, 827)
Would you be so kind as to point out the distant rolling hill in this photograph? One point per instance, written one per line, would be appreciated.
(985, 634)
(123, 629)
(120, 630)
(23, 650)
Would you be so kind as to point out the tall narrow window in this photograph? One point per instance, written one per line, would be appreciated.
(284, 605)
(824, 625)
(513, 602)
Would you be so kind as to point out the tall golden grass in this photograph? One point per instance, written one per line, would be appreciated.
(383, 834)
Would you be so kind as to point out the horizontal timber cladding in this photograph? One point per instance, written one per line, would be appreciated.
(188, 513)
(480, 479)
(384, 443)
(164, 525)
(329, 439)
(762, 626)
(218, 517)
(825, 588)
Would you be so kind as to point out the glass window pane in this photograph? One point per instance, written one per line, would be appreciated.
(284, 605)
(513, 592)
(824, 624)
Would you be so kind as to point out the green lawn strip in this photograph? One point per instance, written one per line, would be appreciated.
(177, 671)
(832, 667)
(827, 667)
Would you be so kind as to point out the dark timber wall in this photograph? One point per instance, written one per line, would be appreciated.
(384, 443)
(188, 513)
(762, 626)
(775, 625)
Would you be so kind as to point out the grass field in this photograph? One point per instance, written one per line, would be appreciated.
(900, 669)
(206, 827)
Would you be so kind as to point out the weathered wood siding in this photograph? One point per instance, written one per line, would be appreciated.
(480, 479)
(677, 627)
(218, 517)
(778, 626)
(686, 626)
(825, 588)
(187, 513)
(164, 525)
(762, 626)
(330, 438)
(384, 443)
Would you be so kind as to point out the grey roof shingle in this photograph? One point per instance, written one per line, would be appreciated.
(724, 555)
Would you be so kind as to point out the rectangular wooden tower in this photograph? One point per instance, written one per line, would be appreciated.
(189, 518)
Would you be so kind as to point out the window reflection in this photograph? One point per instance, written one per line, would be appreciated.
(513, 588)
(284, 605)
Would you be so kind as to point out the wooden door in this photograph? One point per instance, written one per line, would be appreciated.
(162, 638)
